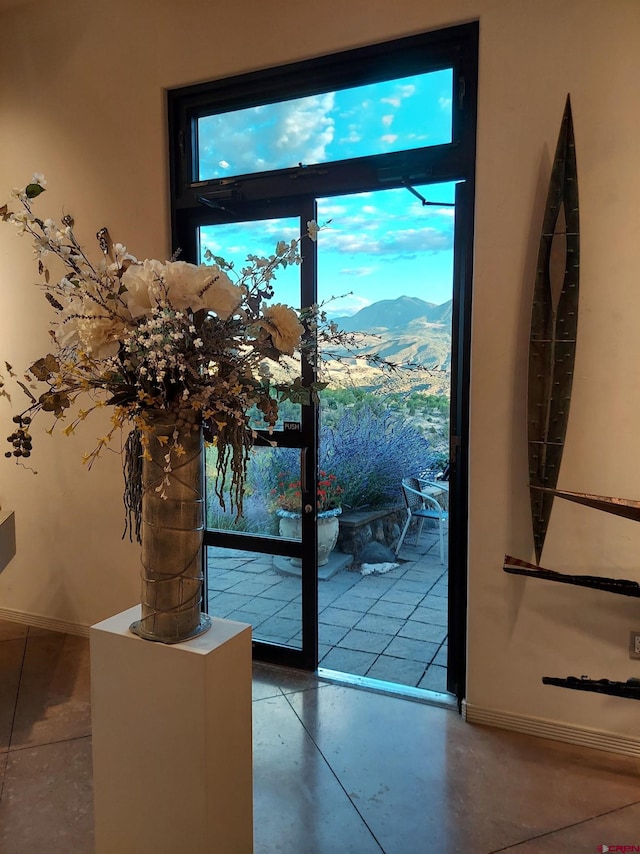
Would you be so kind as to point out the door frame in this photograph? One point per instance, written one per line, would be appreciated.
(193, 202)
(305, 439)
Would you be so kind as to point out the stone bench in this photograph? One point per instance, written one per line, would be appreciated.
(360, 527)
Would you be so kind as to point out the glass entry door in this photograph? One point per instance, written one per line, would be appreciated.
(260, 568)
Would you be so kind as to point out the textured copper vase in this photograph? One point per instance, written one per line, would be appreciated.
(172, 532)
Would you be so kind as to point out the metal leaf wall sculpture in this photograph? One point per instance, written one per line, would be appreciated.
(629, 689)
(621, 586)
(628, 508)
(552, 350)
(554, 326)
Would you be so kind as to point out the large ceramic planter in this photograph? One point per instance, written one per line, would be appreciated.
(172, 532)
(328, 527)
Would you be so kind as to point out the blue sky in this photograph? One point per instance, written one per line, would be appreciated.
(378, 245)
(390, 116)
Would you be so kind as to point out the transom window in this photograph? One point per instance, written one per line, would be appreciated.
(380, 141)
(378, 118)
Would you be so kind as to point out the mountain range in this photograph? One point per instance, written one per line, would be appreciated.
(402, 330)
(388, 314)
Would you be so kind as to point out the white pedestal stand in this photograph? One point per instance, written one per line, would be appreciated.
(172, 748)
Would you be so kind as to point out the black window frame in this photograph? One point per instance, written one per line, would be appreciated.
(455, 47)
(195, 203)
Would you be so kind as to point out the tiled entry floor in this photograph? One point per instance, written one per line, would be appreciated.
(391, 626)
(336, 770)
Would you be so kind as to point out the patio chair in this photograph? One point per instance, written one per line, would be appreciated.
(425, 499)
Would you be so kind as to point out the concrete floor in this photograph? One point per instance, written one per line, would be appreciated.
(336, 769)
(391, 626)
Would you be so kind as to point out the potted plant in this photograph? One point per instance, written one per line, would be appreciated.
(287, 500)
(182, 354)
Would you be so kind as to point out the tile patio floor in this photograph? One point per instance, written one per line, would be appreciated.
(391, 627)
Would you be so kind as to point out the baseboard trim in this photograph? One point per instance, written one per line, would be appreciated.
(554, 730)
(540, 727)
(40, 622)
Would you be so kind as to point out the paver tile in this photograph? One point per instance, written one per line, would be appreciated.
(390, 626)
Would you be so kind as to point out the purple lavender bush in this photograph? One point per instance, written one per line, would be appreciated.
(370, 450)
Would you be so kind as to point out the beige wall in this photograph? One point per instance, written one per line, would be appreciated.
(82, 100)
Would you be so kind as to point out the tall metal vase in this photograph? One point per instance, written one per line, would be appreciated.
(172, 532)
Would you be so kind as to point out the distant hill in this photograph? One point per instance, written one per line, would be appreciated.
(395, 313)
(402, 330)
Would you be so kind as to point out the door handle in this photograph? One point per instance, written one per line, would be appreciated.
(308, 508)
(303, 469)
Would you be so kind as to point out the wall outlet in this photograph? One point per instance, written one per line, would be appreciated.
(634, 645)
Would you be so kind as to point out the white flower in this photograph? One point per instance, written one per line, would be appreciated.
(99, 335)
(142, 286)
(185, 283)
(282, 324)
(38, 178)
(20, 220)
(313, 229)
(120, 254)
(222, 296)
(40, 246)
(177, 283)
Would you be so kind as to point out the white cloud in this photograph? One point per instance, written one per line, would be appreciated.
(267, 137)
(444, 103)
(418, 240)
(403, 92)
(352, 244)
(306, 130)
(352, 139)
(407, 90)
(332, 237)
(357, 272)
(237, 240)
(396, 243)
(275, 227)
(346, 305)
(389, 138)
(330, 210)
(387, 121)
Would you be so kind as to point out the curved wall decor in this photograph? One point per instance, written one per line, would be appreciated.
(622, 586)
(554, 327)
(552, 350)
